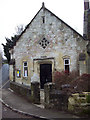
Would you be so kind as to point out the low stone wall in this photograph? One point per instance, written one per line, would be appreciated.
(54, 98)
(27, 92)
(78, 103)
(35, 92)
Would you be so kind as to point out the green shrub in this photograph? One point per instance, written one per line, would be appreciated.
(81, 95)
(86, 111)
(88, 98)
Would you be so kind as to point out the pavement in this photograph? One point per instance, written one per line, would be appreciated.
(21, 105)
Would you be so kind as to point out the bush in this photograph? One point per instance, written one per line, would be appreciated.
(85, 112)
(82, 83)
(64, 79)
(72, 83)
(88, 98)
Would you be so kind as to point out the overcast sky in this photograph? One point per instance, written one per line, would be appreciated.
(16, 12)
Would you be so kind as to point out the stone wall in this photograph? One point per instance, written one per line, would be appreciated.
(54, 98)
(82, 63)
(79, 103)
(31, 94)
(35, 92)
(75, 103)
(88, 64)
(88, 58)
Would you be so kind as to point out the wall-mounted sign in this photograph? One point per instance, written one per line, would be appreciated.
(18, 73)
(43, 56)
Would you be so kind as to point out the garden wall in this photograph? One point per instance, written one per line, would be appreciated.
(54, 98)
(32, 94)
(79, 103)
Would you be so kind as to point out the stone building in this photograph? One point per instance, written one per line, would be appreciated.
(47, 45)
(86, 31)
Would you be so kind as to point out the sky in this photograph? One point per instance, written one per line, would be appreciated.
(16, 12)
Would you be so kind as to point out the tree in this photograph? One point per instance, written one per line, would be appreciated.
(19, 29)
(6, 52)
(12, 42)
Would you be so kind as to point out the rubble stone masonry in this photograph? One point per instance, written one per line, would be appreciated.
(61, 42)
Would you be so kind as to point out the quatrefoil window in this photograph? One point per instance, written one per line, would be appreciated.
(44, 43)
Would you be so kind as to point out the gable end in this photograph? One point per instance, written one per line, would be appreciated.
(43, 7)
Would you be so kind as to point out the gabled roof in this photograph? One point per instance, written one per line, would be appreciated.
(53, 15)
